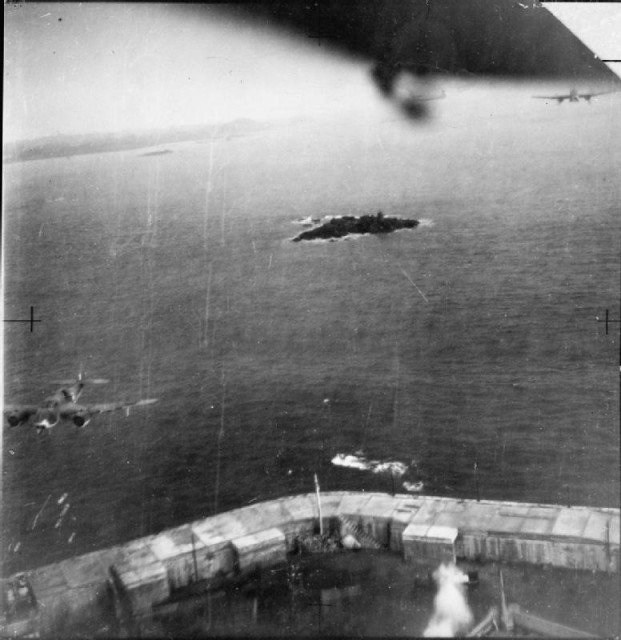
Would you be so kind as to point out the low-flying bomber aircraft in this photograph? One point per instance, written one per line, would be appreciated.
(62, 405)
(573, 96)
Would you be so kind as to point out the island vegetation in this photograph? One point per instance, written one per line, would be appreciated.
(350, 225)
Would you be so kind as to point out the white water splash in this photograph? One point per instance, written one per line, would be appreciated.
(392, 466)
(376, 466)
(413, 487)
(426, 222)
(353, 462)
(451, 614)
(308, 221)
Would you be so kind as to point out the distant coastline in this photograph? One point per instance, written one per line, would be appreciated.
(351, 225)
(71, 145)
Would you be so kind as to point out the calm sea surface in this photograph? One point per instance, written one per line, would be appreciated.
(472, 338)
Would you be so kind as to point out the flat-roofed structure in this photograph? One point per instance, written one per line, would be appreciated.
(219, 556)
(430, 545)
(263, 549)
(140, 578)
(147, 571)
(183, 554)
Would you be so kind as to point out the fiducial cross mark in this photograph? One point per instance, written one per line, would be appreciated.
(606, 320)
(30, 320)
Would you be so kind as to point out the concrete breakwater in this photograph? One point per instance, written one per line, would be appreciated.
(143, 573)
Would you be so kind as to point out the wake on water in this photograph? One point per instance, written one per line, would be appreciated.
(394, 467)
(376, 466)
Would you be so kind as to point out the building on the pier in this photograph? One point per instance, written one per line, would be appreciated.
(133, 578)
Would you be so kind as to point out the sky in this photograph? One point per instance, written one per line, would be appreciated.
(76, 68)
(597, 24)
(96, 67)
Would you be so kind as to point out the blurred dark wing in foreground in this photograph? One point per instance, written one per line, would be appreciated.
(502, 38)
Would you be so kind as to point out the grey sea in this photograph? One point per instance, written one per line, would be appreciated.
(471, 339)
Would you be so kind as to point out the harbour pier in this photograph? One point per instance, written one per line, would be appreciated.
(132, 579)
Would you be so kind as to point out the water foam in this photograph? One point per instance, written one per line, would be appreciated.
(413, 487)
(358, 461)
(351, 461)
(392, 466)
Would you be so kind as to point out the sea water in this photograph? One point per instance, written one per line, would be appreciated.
(470, 340)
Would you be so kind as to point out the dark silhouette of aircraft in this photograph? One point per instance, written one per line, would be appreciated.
(428, 39)
(573, 96)
(62, 405)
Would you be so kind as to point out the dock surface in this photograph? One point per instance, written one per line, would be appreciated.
(148, 570)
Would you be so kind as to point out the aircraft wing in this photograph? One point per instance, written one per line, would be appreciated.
(588, 96)
(17, 414)
(424, 39)
(566, 97)
(79, 379)
(80, 415)
(94, 409)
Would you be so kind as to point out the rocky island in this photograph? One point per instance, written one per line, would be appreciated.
(349, 225)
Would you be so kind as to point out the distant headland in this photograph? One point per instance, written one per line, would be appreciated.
(351, 225)
(66, 146)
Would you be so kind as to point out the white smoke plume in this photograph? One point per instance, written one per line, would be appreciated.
(451, 614)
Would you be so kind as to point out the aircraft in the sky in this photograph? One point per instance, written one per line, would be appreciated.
(573, 96)
(62, 405)
(500, 39)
